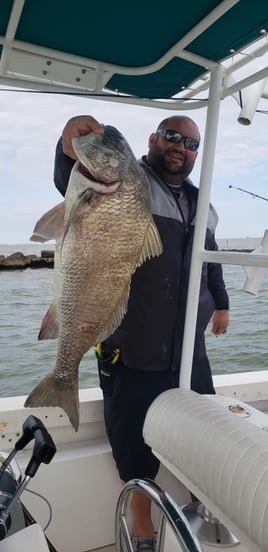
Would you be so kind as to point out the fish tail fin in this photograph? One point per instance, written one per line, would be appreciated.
(49, 393)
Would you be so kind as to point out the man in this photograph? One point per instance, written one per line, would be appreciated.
(150, 336)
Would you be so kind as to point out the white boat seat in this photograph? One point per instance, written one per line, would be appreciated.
(221, 458)
(30, 539)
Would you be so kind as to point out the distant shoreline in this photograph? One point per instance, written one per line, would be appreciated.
(19, 261)
(247, 242)
(34, 255)
(238, 244)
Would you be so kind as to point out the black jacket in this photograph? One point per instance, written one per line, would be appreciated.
(150, 335)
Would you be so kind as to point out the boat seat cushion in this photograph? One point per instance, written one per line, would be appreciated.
(223, 456)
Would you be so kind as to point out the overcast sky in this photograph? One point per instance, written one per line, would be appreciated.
(32, 123)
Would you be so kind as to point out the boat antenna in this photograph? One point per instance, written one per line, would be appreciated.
(247, 192)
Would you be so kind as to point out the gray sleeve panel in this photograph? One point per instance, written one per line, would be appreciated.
(164, 204)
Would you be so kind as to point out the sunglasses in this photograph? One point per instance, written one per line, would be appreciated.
(176, 137)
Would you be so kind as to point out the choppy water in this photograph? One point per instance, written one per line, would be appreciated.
(26, 294)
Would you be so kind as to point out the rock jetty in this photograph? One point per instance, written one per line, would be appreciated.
(19, 261)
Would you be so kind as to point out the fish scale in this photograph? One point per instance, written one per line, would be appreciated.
(107, 231)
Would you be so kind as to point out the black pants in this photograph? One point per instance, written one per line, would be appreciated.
(126, 401)
(127, 396)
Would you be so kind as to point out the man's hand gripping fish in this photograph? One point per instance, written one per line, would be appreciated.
(107, 231)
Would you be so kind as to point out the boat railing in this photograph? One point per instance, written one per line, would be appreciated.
(199, 254)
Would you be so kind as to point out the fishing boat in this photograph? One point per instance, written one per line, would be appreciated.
(175, 57)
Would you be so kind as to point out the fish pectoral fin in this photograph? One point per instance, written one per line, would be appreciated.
(152, 245)
(49, 327)
(54, 392)
(116, 317)
(50, 225)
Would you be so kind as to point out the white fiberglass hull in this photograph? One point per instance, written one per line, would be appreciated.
(81, 483)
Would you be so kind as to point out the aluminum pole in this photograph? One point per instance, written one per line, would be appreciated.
(215, 91)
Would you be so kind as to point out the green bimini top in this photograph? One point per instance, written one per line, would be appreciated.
(143, 50)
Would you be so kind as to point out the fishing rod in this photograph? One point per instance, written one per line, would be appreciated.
(247, 192)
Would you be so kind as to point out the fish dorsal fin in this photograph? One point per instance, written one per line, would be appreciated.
(50, 225)
(152, 245)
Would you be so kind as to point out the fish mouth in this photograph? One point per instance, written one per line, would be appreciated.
(85, 172)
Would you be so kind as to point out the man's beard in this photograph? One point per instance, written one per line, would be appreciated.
(171, 167)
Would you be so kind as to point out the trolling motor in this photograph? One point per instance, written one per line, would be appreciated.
(12, 483)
